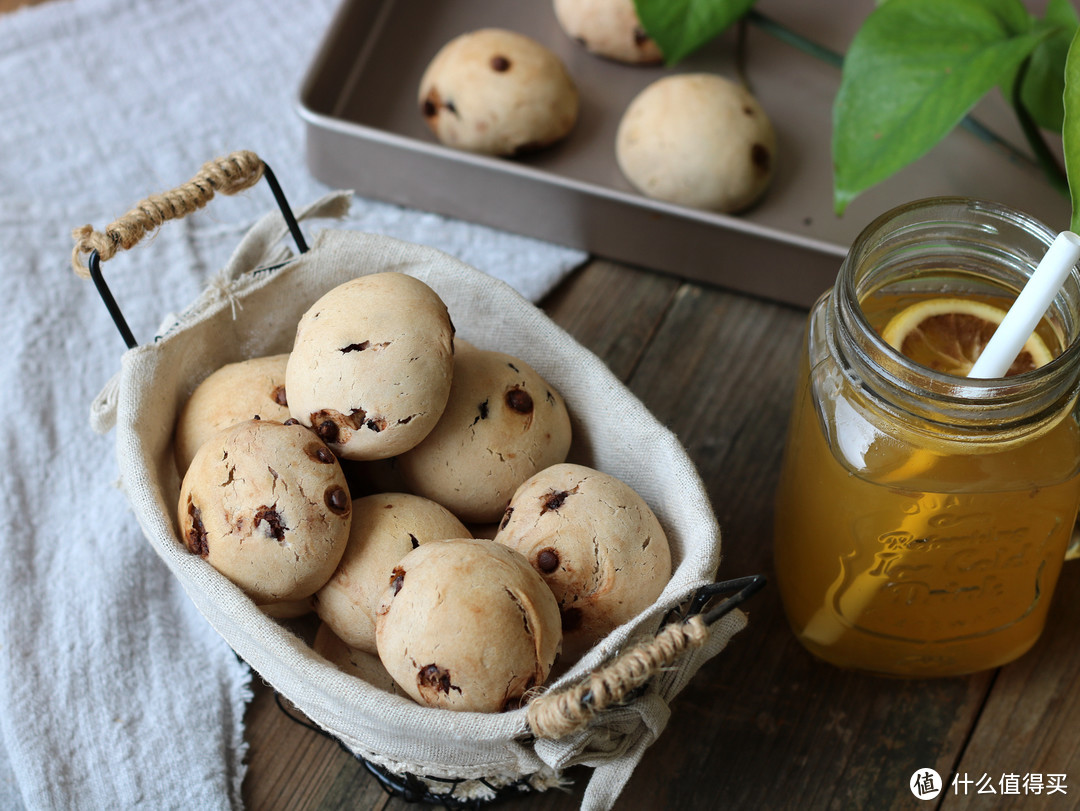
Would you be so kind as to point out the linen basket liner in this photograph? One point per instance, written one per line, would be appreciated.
(252, 310)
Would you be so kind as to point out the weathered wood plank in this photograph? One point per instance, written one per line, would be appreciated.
(765, 725)
(1031, 722)
(612, 310)
(292, 767)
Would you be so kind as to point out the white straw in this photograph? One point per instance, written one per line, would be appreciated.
(1024, 315)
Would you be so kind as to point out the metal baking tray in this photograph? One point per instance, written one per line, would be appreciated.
(364, 130)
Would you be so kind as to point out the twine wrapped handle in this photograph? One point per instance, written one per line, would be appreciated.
(228, 175)
(557, 714)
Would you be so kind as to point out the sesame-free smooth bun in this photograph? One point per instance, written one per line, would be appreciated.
(371, 365)
(608, 28)
(266, 504)
(596, 543)
(467, 625)
(697, 140)
(497, 92)
(385, 528)
(358, 663)
(234, 393)
(502, 423)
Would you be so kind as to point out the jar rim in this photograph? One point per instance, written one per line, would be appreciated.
(974, 222)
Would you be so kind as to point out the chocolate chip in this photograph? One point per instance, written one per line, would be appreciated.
(500, 63)
(760, 157)
(376, 424)
(292, 421)
(435, 678)
(360, 347)
(450, 106)
(327, 430)
(483, 409)
(519, 400)
(279, 397)
(337, 499)
(275, 525)
(748, 110)
(547, 561)
(571, 619)
(196, 536)
(640, 37)
(429, 108)
(397, 579)
(321, 453)
(506, 517)
(528, 147)
(412, 539)
(553, 501)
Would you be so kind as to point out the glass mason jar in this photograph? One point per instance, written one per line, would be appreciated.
(922, 518)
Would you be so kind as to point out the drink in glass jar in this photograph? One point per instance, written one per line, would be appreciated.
(922, 518)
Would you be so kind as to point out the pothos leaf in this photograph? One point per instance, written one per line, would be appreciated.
(1044, 81)
(680, 27)
(1070, 130)
(911, 74)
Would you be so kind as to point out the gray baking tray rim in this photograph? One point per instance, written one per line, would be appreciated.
(364, 131)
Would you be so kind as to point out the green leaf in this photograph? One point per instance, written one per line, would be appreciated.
(1070, 131)
(1045, 79)
(913, 71)
(680, 27)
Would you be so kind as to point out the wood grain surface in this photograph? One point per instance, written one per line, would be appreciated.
(764, 725)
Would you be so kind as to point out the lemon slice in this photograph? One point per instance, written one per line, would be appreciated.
(949, 334)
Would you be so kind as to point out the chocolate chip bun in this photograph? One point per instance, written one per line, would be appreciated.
(467, 625)
(595, 542)
(371, 365)
(234, 393)
(497, 92)
(502, 423)
(697, 140)
(358, 663)
(266, 505)
(385, 528)
(608, 28)
(288, 610)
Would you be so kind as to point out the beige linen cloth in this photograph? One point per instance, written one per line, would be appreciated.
(114, 691)
(613, 431)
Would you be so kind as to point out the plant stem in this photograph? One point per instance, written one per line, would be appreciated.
(1047, 161)
(969, 123)
(785, 34)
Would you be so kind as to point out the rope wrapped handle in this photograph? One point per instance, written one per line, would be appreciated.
(560, 713)
(230, 174)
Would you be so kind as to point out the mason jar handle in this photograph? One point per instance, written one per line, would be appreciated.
(229, 175)
(562, 712)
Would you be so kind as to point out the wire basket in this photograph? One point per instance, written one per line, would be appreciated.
(606, 708)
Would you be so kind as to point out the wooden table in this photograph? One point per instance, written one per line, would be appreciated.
(763, 725)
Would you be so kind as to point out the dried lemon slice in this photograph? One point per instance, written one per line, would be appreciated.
(949, 334)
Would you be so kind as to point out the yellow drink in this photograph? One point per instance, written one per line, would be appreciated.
(922, 519)
(884, 576)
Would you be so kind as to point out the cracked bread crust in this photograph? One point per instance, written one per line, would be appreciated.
(467, 624)
(502, 423)
(371, 365)
(267, 505)
(234, 393)
(385, 528)
(596, 543)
